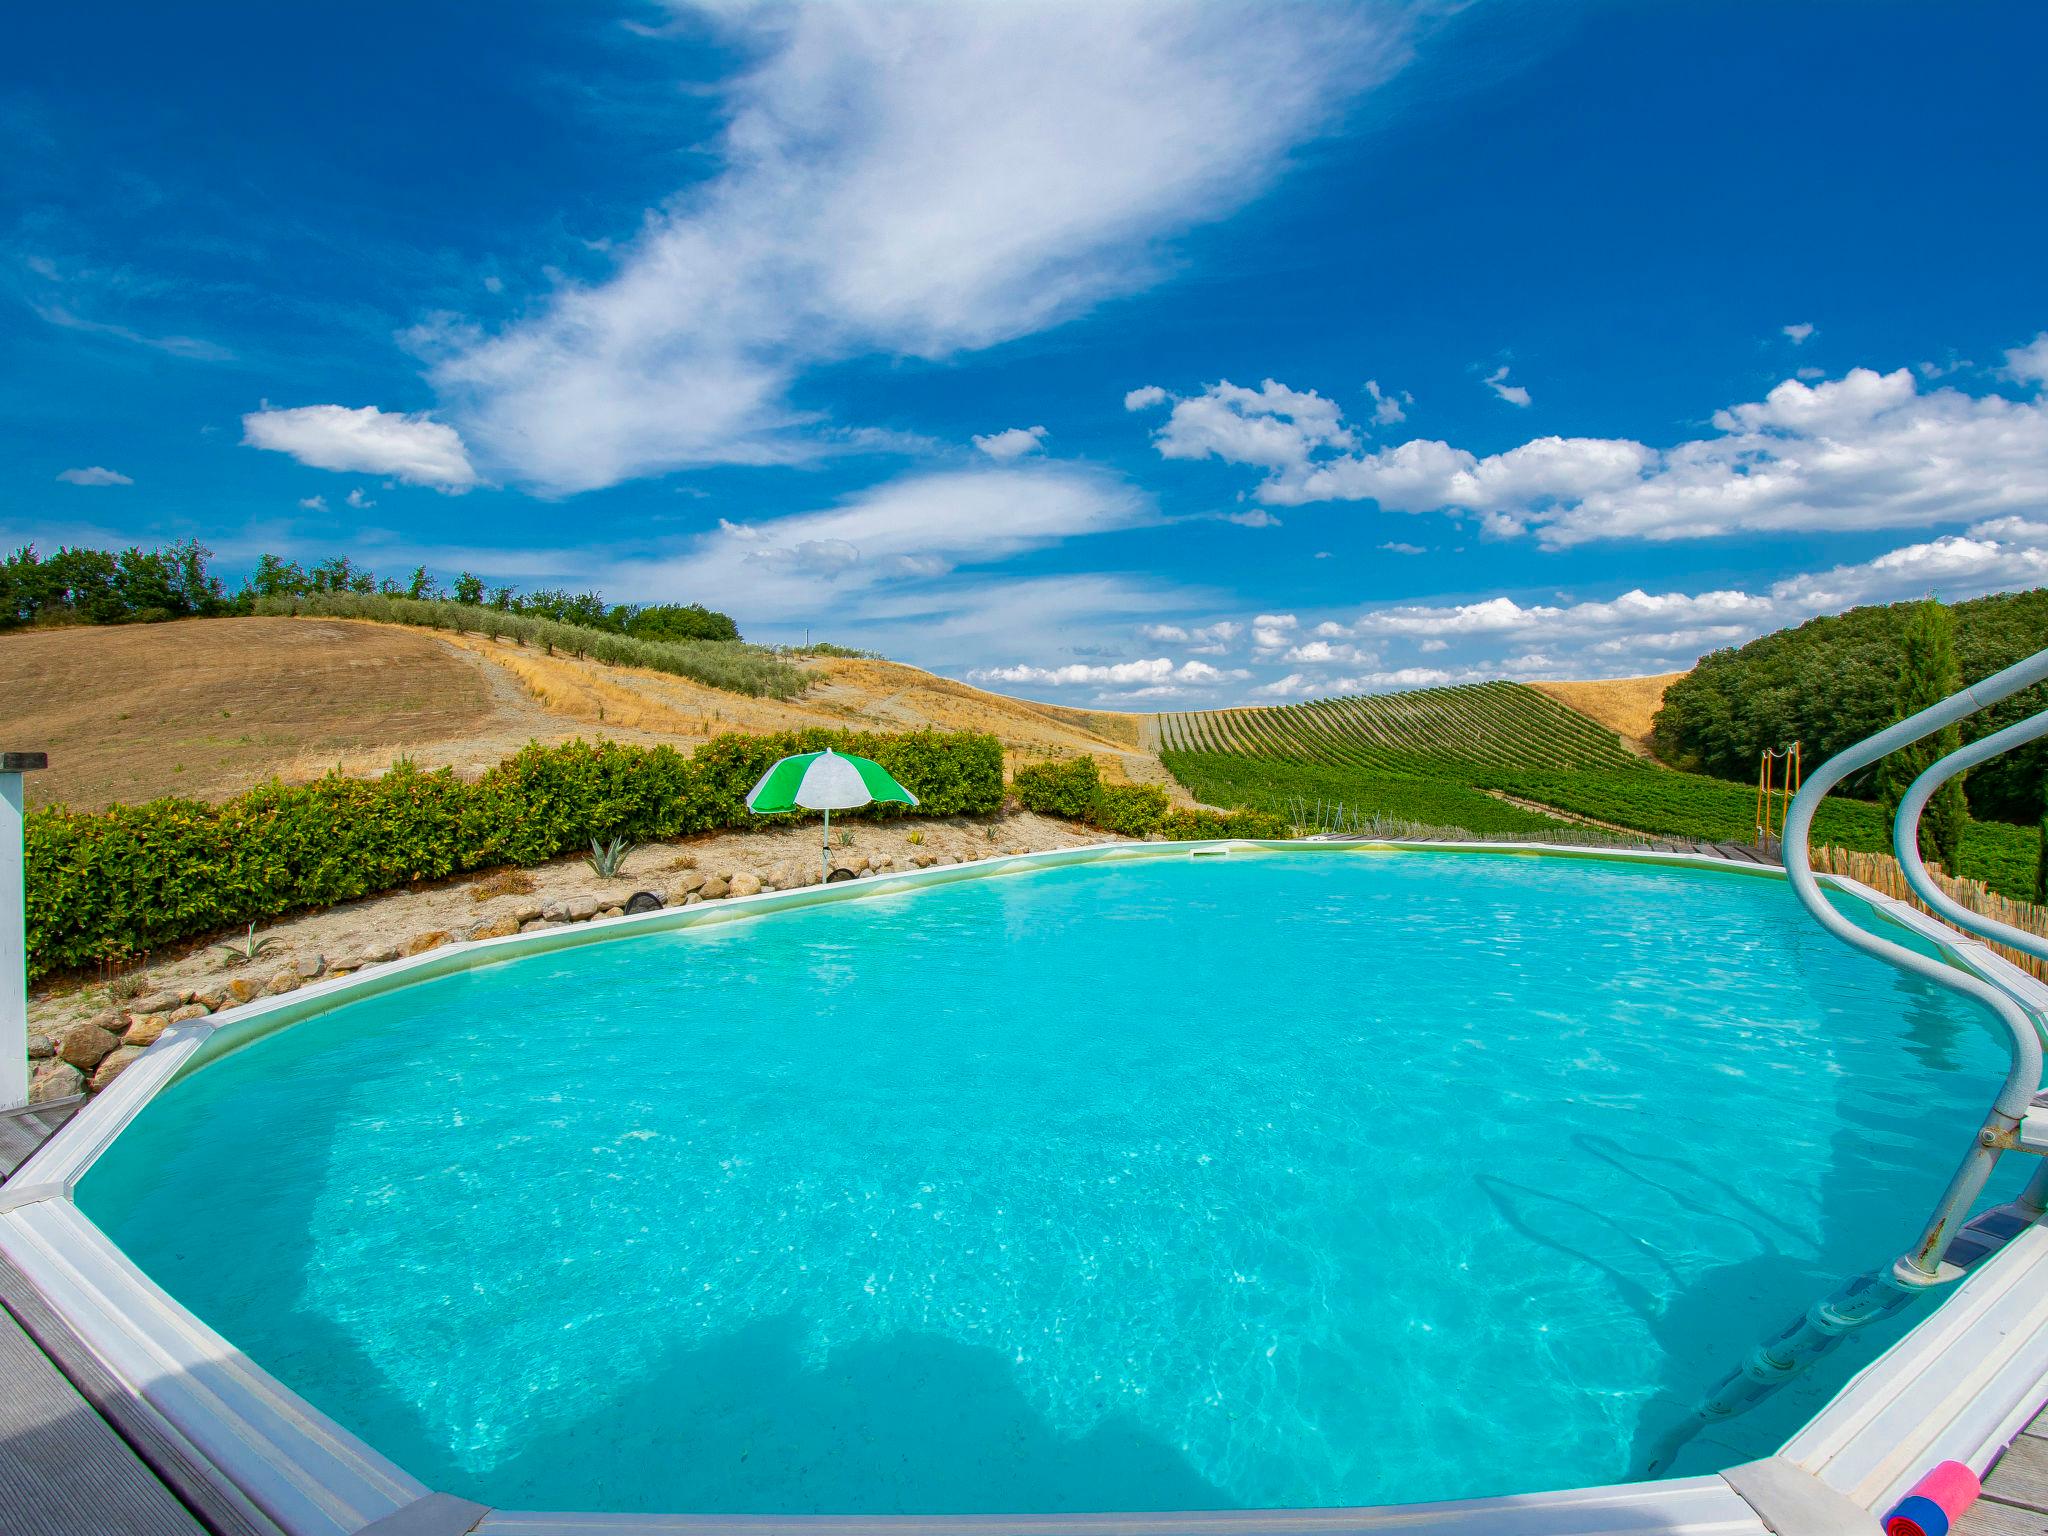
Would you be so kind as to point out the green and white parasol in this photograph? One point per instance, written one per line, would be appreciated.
(825, 781)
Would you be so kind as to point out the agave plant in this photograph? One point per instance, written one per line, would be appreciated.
(248, 947)
(607, 859)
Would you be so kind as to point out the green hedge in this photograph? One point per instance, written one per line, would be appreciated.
(133, 878)
(1072, 787)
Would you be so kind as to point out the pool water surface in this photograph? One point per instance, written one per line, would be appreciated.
(1268, 1180)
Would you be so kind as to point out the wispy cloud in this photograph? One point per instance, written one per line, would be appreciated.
(1497, 381)
(96, 475)
(193, 347)
(1012, 443)
(911, 180)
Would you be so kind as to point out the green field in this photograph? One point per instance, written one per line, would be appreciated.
(1443, 757)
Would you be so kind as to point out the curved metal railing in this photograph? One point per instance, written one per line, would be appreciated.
(1932, 1260)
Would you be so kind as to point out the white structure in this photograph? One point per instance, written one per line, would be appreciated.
(13, 931)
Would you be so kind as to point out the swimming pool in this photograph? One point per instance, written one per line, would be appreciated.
(1182, 1183)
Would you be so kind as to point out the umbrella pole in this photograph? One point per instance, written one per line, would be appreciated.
(825, 848)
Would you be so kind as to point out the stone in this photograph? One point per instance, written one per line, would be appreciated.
(949, 859)
(526, 912)
(283, 982)
(41, 1048)
(420, 943)
(613, 912)
(714, 888)
(497, 930)
(693, 881)
(113, 1066)
(694, 899)
(159, 1002)
(85, 1046)
(745, 883)
(857, 863)
(382, 955)
(311, 966)
(925, 861)
(114, 1019)
(556, 912)
(55, 1080)
(191, 1011)
(215, 1000)
(146, 1028)
(581, 909)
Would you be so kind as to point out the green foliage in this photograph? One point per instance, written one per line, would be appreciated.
(133, 878)
(1928, 673)
(1406, 789)
(737, 668)
(688, 621)
(1494, 724)
(1833, 681)
(608, 859)
(1059, 786)
(1183, 825)
(92, 586)
(1129, 810)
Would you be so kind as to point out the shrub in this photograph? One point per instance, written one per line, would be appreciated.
(136, 877)
(1190, 825)
(1059, 787)
(1129, 810)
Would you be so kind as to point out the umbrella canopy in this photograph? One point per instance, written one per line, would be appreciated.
(824, 781)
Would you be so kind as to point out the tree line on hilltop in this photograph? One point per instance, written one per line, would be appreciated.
(1833, 681)
(138, 586)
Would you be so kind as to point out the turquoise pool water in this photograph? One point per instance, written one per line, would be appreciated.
(1289, 1180)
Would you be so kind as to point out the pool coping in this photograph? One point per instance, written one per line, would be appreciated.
(1960, 1384)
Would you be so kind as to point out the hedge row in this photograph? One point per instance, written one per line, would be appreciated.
(1072, 787)
(129, 879)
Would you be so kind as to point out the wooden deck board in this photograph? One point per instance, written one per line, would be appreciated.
(63, 1472)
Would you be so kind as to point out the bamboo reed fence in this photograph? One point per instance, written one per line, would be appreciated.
(1880, 871)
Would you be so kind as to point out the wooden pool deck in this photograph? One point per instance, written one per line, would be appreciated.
(2015, 1501)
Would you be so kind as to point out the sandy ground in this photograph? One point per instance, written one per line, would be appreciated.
(1625, 705)
(341, 937)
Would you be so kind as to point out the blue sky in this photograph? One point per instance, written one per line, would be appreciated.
(1153, 355)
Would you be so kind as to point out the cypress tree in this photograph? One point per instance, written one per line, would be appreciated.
(1928, 673)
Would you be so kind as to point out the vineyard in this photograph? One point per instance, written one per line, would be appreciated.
(1503, 759)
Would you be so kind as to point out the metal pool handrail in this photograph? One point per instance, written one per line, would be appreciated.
(1920, 1266)
(1869, 1298)
(1906, 834)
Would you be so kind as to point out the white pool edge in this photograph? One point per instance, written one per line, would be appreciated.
(1959, 1385)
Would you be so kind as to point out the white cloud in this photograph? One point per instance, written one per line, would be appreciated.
(1012, 443)
(96, 475)
(1145, 397)
(1158, 670)
(1253, 517)
(313, 503)
(359, 501)
(2028, 364)
(1221, 632)
(413, 448)
(909, 180)
(1274, 631)
(1497, 381)
(1868, 450)
(1798, 333)
(1323, 653)
(1390, 406)
(1272, 426)
(910, 530)
(1396, 547)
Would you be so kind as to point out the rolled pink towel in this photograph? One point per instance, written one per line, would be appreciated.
(1934, 1503)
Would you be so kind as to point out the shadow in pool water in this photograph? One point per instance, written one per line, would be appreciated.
(908, 1424)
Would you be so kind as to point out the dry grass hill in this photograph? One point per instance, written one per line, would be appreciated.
(208, 707)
